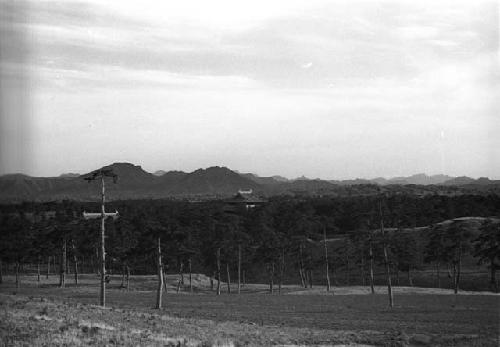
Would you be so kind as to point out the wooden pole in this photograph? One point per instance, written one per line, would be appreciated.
(103, 250)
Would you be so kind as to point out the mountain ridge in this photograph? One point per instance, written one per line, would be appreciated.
(215, 181)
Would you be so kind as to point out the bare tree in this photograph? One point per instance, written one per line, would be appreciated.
(386, 257)
(128, 277)
(48, 267)
(302, 273)
(181, 276)
(218, 270)
(281, 269)
(160, 276)
(18, 282)
(228, 277)
(370, 250)
(327, 272)
(62, 265)
(75, 262)
(270, 269)
(38, 270)
(190, 276)
(239, 268)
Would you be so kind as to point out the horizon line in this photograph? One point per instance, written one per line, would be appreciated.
(242, 172)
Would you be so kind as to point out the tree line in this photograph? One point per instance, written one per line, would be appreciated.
(286, 240)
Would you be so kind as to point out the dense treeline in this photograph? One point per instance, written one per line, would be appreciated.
(306, 240)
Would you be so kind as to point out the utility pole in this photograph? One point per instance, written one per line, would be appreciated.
(93, 176)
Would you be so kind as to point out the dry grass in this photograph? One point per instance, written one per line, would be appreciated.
(52, 316)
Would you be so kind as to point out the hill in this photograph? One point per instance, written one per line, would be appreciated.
(213, 181)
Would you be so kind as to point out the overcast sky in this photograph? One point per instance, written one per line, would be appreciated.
(330, 89)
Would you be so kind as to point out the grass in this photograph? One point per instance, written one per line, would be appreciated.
(253, 318)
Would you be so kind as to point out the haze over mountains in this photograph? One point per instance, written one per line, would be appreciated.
(214, 182)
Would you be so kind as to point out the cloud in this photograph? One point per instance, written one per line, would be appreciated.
(316, 78)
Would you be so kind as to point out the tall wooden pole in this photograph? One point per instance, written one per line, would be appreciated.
(327, 272)
(386, 257)
(103, 250)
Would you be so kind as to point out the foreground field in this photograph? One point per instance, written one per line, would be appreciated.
(67, 315)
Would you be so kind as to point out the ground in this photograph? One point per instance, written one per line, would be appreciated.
(48, 315)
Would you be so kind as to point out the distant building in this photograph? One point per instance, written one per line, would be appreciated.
(244, 199)
(245, 192)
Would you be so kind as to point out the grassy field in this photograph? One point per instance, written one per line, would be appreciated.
(310, 317)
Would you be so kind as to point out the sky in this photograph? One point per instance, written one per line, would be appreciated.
(321, 88)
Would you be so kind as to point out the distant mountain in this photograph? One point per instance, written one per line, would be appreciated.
(309, 185)
(261, 180)
(159, 173)
(136, 183)
(421, 179)
(130, 174)
(457, 181)
(172, 176)
(464, 180)
(379, 181)
(69, 174)
(486, 181)
(351, 182)
(280, 178)
(213, 180)
(301, 178)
